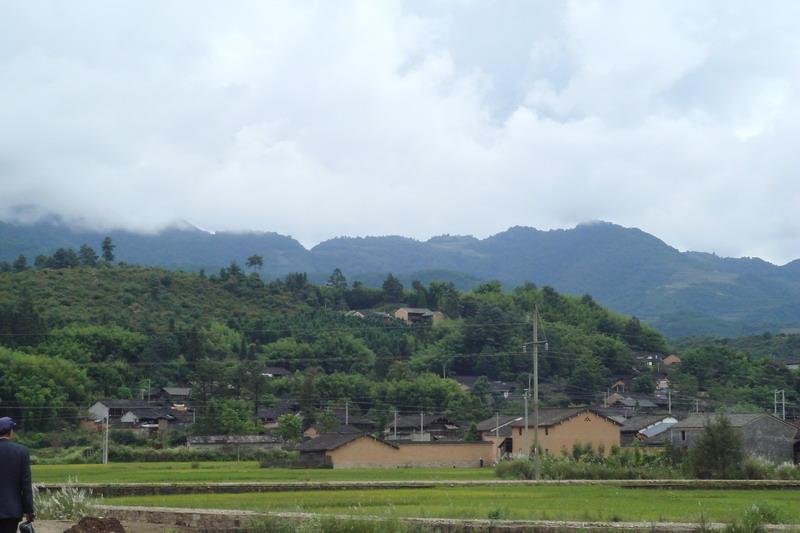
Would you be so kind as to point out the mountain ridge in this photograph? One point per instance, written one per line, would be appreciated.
(627, 269)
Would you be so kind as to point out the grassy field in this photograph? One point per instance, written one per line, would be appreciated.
(245, 471)
(511, 502)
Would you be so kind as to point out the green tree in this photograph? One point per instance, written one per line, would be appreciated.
(472, 434)
(336, 351)
(87, 255)
(227, 417)
(392, 289)
(20, 264)
(718, 454)
(643, 384)
(337, 280)
(46, 389)
(420, 294)
(481, 389)
(64, 258)
(255, 262)
(290, 428)
(588, 378)
(108, 250)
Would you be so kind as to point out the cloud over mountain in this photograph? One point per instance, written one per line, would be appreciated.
(317, 119)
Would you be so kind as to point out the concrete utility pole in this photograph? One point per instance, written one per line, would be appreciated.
(395, 424)
(421, 424)
(535, 363)
(105, 442)
(346, 412)
(537, 467)
(497, 435)
(783, 403)
(525, 396)
(669, 400)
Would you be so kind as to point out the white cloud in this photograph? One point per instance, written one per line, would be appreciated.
(317, 119)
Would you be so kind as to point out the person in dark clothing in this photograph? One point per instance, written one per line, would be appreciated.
(16, 492)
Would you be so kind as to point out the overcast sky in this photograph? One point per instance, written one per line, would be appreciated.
(318, 119)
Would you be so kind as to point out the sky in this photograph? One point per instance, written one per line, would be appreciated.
(320, 119)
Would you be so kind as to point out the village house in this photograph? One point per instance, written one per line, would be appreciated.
(619, 384)
(648, 359)
(422, 428)
(114, 409)
(233, 443)
(268, 416)
(763, 434)
(559, 430)
(148, 421)
(641, 427)
(414, 315)
(316, 430)
(369, 313)
(174, 395)
(340, 420)
(633, 404)
(275, 372)
(662, 383)
(353, 450)
(671, 360)
(497, 388)
(792, 364)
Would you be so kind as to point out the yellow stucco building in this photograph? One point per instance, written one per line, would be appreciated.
(559, 430)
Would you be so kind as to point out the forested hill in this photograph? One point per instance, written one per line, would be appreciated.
(630, 271)
(107, 330)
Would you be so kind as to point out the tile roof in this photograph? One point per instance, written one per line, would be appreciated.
(695, 421)
(491, 423)
(330, 441)
(412, 421)
(548, 416)
(177, 391)
(637, 423)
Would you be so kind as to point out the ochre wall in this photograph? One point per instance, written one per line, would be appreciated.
(586, 427)
(366, 452)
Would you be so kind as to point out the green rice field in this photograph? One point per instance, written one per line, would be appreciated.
(245, 471)
(589, 503)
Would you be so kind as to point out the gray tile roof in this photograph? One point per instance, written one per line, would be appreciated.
(491, 423)
(412, 421)
(330, 441)
(177, 391)
(636, 423)
(696, 421)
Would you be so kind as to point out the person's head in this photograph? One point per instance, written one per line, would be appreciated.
(6, 427)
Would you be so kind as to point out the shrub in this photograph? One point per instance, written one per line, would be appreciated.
(754, 520)
(124, 436)
(278, 457)
(718, 453)
(757, 468)
(787, 471)
(514, 469)
(68, 503)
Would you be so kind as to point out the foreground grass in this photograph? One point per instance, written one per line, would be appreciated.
(210, 472)
(601, 503)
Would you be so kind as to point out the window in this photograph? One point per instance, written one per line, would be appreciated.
(683, 435)
(546, 431)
